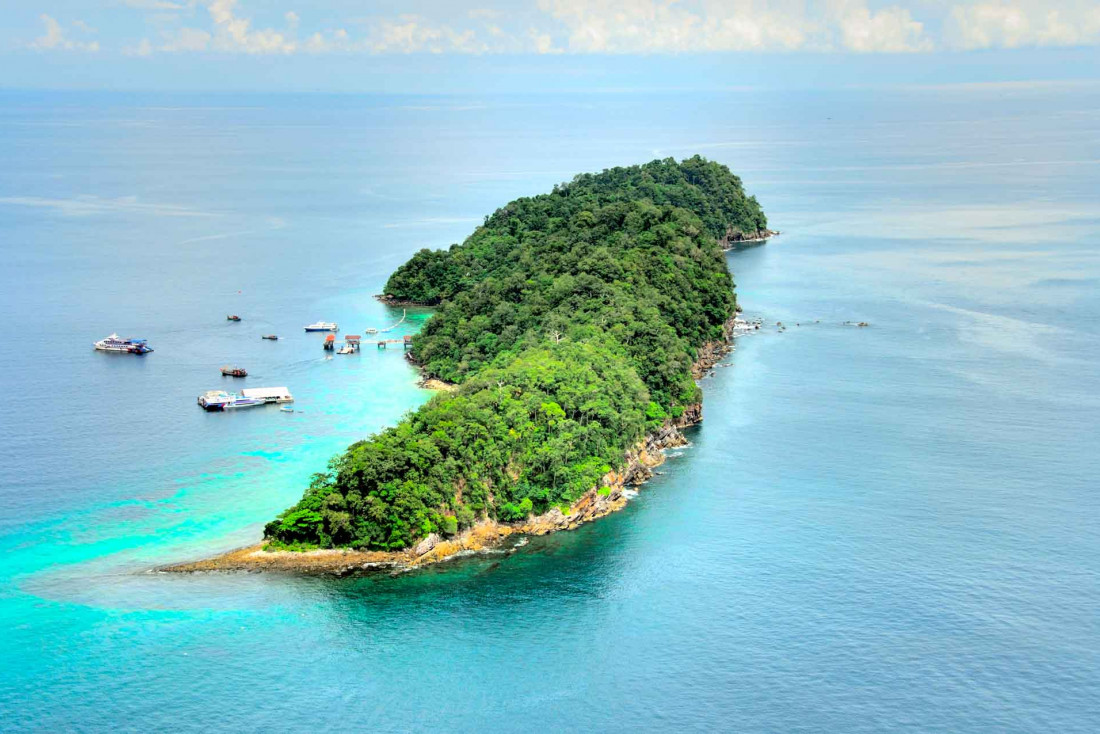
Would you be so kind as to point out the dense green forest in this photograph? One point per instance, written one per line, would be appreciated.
(570, 322)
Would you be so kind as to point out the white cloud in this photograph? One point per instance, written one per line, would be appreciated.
(410, 34)
(328, 42)
(55, 38)
(607, 26)
(890, 30)
(1023, 23)
(543, 43)
(669, 26)
(143, 48)
(235, 34)
(187, 39)
(627, 27)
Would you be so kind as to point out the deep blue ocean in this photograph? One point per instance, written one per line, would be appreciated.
(890, 528)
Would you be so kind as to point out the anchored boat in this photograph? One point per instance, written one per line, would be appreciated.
(218, 400)
(228, 371)
(323, 326)
(234, 317)
(269, 394)
(272, 337)
(391, 327)
(114, 343)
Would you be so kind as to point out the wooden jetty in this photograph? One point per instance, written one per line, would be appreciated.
(383, 343)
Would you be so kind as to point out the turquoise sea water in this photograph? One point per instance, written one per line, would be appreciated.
(883, 528)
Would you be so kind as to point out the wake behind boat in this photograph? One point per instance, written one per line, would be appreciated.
(114, 343)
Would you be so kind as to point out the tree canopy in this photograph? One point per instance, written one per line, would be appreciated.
(570, 322)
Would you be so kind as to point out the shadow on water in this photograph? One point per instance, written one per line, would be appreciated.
(744, 246)
(572, 567)
(570, 563)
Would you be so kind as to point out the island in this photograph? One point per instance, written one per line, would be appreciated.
(571, 328)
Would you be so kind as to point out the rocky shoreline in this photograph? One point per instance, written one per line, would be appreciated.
(391, 301)
(431, 383)
(734, 238)
(609, 496)
(487, 535)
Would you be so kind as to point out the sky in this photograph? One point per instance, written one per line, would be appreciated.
(445, 46)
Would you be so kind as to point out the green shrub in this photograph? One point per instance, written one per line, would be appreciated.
(509, 512)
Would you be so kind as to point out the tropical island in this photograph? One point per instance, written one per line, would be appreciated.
(571, 328)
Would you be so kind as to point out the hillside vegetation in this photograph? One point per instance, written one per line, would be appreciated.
(570, 322)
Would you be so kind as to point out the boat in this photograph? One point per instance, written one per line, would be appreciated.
(272, 337)
(218, 400)
(234, 317)
(330, 343)
(391, 327)
(228, 371)
(346, 349)
(323, 326)
(115, 343)
(268, 394)
(286, 409)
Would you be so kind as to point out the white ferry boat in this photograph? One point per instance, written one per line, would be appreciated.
(268, 394)
(114, 343)
(323, 326)
(214, 400)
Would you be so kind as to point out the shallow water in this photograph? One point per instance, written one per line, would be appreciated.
(890, 527)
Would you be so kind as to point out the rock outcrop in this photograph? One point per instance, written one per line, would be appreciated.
(426, 545)
(735, 235)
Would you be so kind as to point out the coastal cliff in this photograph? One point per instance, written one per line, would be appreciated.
(570, 329)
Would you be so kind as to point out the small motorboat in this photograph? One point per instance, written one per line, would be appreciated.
(233, 317)
(323, 326)
(271, 337)
(346, 349)
(228, 371)
(286, 409)
(370, 330)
